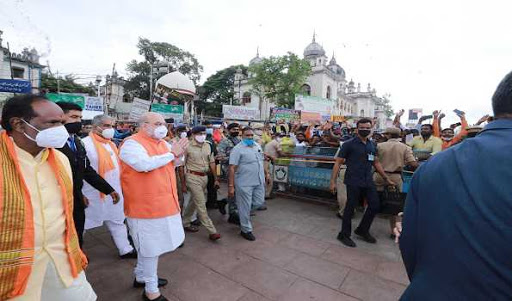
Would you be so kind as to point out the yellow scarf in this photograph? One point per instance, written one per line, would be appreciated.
(17, 221)
(105, 163)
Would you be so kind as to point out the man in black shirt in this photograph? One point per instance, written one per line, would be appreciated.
(360, 155)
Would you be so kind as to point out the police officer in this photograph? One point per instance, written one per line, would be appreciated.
(211, 199)
(199, 161)
(224, 150)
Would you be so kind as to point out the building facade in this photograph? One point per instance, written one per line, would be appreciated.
(327, 80)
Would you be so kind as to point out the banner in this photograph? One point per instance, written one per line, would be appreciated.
(93, 104)
(15, 86)
(74, 98)
(287, 115)
(310, 116)
(139, 107)
(338, 118)
(314, 104)
(240, 112)
(169, 111)
(415, 114)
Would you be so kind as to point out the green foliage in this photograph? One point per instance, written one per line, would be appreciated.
(279, 78)
(178, 59)
(67, 84)
(386, 103)
(218, 90)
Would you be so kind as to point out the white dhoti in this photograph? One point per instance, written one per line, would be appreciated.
(104, 211)
(152, 238)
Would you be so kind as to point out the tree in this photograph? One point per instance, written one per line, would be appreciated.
(386, 104)
(279, 78)
(177, 60)
(218, 90)
(65, 84)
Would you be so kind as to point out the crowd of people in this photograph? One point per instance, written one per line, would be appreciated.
(61, 177)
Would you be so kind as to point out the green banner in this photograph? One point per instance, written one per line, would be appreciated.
(166, 109)
(78, 99)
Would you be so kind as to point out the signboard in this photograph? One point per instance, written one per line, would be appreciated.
(240, 112)
(310, 116)
(93, 104)
(338, 118)
(74, 98)
(169, 111)
(415, 114)
(15, 86)
(287, 115)
(310, 177)
(139, 107)
(314, 104)
(280, 174)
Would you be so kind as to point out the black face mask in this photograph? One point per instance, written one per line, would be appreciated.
(73, 127)
(234, 134)
(364, 133)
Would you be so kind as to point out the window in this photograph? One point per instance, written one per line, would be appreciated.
(18, 72)
(306, 89)
(328, 94)
(246, 98)
(362, 113)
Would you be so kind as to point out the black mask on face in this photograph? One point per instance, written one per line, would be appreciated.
(73, 127)
(234, 134)
(364, 133)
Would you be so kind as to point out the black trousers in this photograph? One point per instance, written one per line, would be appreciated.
(211, 196)
(79, 218)
(354, 196)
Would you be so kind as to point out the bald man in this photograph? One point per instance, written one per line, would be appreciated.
(150, 199)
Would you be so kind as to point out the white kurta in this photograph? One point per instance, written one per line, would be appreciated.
(151, 237)
(100, 210)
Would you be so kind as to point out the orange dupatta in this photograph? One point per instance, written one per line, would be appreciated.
(105, 163)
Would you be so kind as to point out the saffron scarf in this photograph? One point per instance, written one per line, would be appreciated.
(17, 221)
(105, 163)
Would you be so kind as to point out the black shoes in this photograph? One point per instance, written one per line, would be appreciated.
(262, 208)
(249, 236)
(366, 236)
(347, 241)
(161, 282)
(234, 219)
(196, 223)
(339, 215)
(131, 255)
(160, 298)
(221, 205)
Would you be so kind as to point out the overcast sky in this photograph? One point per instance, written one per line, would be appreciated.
(426, 54)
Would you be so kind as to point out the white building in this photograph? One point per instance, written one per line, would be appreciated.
(22, 66)
(327, 80)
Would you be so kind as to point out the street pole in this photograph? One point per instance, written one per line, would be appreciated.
(151, 83)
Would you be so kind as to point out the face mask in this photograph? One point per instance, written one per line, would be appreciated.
(447, 138)
(200, 138)
(183, 135)
(234, 134)
(248, 141)
(73, 127)
(54, 137)
(108, 133)
(209, 131)
(160, 132)
(364, 133)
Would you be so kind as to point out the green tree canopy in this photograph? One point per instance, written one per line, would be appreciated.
(279, 78)
(218, 90)
(153, 52)
(386, 104)
(66, 84)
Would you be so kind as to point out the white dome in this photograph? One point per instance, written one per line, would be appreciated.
(314, 49)
(256, 60)
(178, 81)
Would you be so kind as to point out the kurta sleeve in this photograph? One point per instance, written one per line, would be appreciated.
(134, 154)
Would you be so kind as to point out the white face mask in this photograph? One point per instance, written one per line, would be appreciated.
(54, 137)
(160, 132)
(183, 135)
(108, 133)
(200, 138)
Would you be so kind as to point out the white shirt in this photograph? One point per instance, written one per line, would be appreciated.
(136, 156)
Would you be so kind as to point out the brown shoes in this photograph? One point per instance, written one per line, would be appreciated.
(214, 236)
(192, 229)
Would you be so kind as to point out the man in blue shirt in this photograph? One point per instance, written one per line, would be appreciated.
(457, 229)
(360, 155)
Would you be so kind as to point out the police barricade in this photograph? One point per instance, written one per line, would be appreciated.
(307, 171)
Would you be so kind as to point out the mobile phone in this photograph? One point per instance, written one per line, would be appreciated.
(428, 117)
(458, 112)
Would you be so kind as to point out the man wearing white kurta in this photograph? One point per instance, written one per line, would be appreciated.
(104, 158)
(151, 202)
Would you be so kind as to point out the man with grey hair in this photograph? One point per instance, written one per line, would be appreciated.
(102, 209)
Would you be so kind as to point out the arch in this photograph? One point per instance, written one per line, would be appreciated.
(246, 98)
(306, 89)
(328, 93)
(361, 113)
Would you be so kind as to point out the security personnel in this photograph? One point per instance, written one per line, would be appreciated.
(224, 150)
(199, 161)
(393, 156)
(81, 168)
(211, 199)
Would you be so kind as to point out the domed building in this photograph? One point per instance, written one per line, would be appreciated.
(327, 80)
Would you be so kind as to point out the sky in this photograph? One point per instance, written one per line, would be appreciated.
(426, 54)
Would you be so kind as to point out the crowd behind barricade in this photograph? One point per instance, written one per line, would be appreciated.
(153, 180)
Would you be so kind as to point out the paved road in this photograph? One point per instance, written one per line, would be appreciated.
(296, 257)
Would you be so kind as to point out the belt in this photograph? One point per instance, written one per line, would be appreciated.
(197, 173)
(394, 172)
